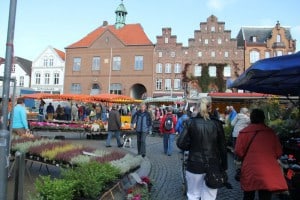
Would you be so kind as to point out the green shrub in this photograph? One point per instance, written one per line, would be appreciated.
(55, 189)
(92, 178)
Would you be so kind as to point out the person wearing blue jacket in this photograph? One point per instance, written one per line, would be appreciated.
(19, 121)
(143, 124)
(181, 120)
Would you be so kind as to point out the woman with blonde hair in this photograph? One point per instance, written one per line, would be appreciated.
(204, 138)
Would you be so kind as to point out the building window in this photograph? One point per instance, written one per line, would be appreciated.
(267, 54)
(177, 68)
(37, 78)
(199, 54)
(45, 61)
(168, 85)
(279, 53)
(76, 64)
(177, 84)
(226, 54)
(51, 61)
(278, 38)
(212, 29)
(206, 41)
(168, 68)
(158, 84)
(219, 41)
(139, 63)
(96, 63)
(75, 88)
(158, 68)
(160, 54)
(213, 54)
(254, 56)
(212, 71)
(166, 40)
(21, 81)
(227, 71)
(56, 78)
(115, 88)
(116, 63)
(13, 68)
(47, 79)
(197, 70)
(173, 54)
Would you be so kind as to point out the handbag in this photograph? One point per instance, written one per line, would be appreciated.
(215, 178)
(238, 171)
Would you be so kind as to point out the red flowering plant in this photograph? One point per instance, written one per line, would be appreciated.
(141, 190)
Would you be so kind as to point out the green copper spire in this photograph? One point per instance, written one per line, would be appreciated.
(121, 13)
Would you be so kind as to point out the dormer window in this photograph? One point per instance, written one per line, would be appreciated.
(254, 39)
(278, 38)
(166, 40)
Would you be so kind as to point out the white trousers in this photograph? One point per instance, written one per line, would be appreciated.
(196, 188)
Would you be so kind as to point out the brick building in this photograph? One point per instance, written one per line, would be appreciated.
(265, 42)
(111, 59)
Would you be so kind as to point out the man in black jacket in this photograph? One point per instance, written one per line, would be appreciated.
(114, 126)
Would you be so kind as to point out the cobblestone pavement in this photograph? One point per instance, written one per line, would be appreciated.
(166, 174)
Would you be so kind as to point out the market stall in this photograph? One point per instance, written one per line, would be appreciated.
(280, 76)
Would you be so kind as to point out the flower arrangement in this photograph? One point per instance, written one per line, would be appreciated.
(140, 191)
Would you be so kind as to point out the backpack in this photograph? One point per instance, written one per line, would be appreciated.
(168, 122)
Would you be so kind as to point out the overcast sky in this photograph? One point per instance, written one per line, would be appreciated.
(59, 23)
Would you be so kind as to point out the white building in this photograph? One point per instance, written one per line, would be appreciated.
(48, 71)
(21, 71)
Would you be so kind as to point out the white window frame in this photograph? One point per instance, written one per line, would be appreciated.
(158, 84)
(168, 68)
(212, 71)
(198, 70)
(254, 56)
(116, 63)
(76, 64)
(96, 63)
(56, 78)
(138, 62)
(37, 78)
(227, 71)
(158, 69)
(177, 84)
(177, 68)
(168, 84)
(75, 88)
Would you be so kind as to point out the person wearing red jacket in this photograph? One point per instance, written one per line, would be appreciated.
(260, 170)
(168, 135)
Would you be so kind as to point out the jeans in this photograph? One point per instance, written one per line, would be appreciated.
(141, 142)
(109, 136)
(168, 140)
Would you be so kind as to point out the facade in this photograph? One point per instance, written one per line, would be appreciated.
(114, 59)
(48, 71)
(265, 42)
(168, 65)
(213, 58)
(20, 71)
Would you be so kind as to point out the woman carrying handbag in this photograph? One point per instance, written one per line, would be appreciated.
(260, 170)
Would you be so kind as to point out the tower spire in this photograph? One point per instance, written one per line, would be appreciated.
(121, 13)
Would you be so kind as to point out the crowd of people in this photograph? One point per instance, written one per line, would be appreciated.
(199, 130)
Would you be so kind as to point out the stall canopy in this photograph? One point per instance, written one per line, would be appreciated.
(278, 75)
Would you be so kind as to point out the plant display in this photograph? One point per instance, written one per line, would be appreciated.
(91, 178)
(140, 191)
(53, 189)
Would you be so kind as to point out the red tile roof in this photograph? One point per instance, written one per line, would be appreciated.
(130, 34)
(60, 53)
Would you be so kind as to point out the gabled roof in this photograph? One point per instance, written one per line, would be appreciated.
(23, 63)
(130, 34)
(60, 53)
(262, 34)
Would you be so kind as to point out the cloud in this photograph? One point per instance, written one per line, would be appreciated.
(218, 4)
